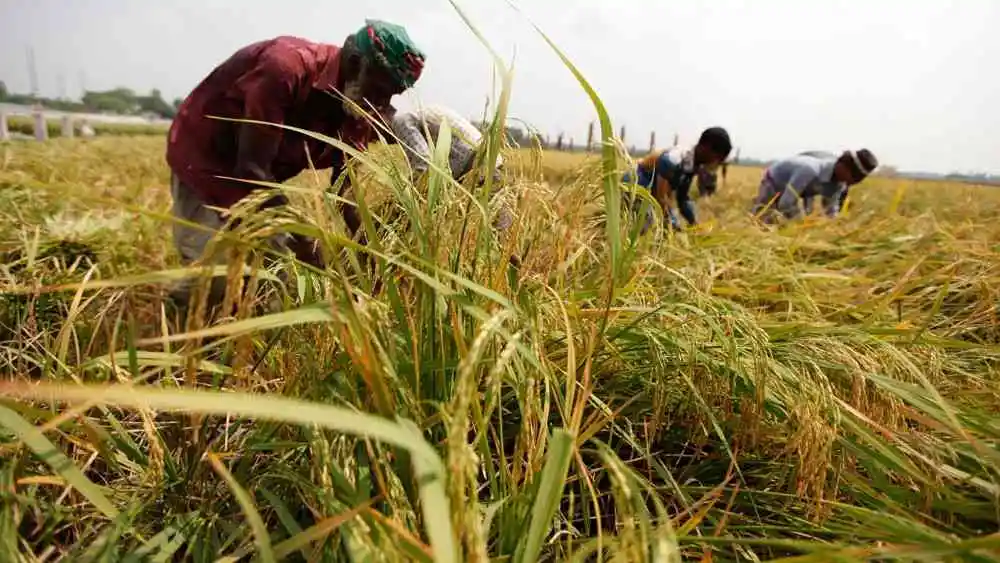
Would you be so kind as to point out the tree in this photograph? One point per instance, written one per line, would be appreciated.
(3, 91)
(887, 170)
(125, 101)
(514, 135)
(154, 103)
(119, 100)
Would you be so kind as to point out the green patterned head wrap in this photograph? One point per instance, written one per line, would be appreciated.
(389, 45)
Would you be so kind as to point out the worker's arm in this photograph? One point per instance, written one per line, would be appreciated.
(268, 92)
(833, 194)
(668, 167)
(408, 129)
(347, 210)
(663, 169)
(356, 133)
(798, 187)
(685, 204)
(661, 192)
(842, 199)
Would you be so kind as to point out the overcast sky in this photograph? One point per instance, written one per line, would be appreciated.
(916, 81)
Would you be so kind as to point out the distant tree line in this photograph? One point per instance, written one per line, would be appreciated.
(515, 136)
(973, 178)
(122, 101)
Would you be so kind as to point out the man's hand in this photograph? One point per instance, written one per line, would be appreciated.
(307, 250)
(664, 204)
(661, 192)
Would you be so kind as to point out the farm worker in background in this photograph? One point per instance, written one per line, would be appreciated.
(285, 80)
(809, 175)
(807, 203)
(671, 171)
(411, 130)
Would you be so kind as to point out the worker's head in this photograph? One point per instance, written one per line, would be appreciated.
(854, 166)
(713, 147)
(378, 62)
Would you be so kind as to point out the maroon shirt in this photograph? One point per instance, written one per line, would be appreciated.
(281, 80)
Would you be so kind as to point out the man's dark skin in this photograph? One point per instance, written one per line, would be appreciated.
(846, 172)
(377, 87)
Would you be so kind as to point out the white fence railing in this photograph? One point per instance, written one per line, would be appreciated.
(68, 120)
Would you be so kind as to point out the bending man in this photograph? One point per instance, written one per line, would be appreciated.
(285, 80)
(670, 172)
(412, 129)
(807, 176)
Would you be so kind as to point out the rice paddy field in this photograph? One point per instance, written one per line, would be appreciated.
(825, 390)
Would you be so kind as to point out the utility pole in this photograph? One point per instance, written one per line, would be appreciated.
(32, 73)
